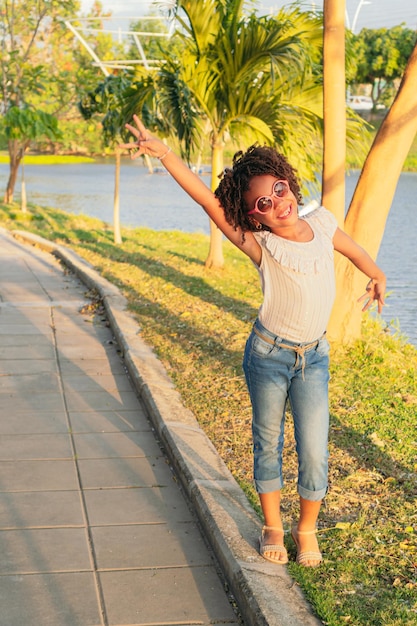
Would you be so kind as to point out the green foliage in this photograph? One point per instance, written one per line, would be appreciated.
(28, 31)
(107, 100)
(30, 124)
(31, 39)
(381, 56)
(45, 69)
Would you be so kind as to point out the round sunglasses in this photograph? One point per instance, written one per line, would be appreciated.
(280, 189)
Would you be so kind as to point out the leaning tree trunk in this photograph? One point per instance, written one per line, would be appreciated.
(15, 156)
(369, 209)
(334, 109)
(215, 255)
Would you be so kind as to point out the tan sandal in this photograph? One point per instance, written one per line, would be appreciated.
(303, 557)
(268, 547)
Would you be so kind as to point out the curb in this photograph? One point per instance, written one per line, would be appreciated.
(265, 593)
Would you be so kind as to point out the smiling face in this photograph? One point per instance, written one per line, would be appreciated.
(252, 176)
(284, 210)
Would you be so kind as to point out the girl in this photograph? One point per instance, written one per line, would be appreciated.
(286, 355)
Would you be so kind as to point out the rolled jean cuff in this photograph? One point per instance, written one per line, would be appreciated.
(267, 486)
(313, 496)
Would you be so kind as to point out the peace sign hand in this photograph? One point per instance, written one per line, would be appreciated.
(145, 143)
(375, 290)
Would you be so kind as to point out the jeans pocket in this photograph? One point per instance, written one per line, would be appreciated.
(323, 347)
(260, 347)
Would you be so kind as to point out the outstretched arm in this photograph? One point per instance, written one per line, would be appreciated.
(147, 144)
(375, 289)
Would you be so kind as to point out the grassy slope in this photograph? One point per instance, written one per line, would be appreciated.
(410, 164)
(197, 322)
(48, 159)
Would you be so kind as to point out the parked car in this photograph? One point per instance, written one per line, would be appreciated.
(360, 103)
(363, 103)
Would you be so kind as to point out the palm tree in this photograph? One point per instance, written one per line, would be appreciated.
(240, 78)
(371, 202)
(366, 218)
(334, 109)
(246, 73)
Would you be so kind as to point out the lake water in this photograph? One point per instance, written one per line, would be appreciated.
(156, 201)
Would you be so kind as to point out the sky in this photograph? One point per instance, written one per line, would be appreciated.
(369, 13)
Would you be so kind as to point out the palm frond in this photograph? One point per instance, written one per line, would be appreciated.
(251, 129)
(180, 110)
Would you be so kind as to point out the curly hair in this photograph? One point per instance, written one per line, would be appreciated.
(235, 181)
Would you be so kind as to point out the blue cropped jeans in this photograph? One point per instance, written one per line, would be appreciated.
(274, 375)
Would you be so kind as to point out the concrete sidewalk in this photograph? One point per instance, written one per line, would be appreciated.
(114, 506)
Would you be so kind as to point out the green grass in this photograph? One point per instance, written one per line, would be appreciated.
(48, 159)
(197, 321)
(410, 163)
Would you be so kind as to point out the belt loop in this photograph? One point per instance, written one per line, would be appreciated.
(262, 336)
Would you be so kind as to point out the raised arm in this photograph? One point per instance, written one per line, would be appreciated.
(375, 289)
(191, 183)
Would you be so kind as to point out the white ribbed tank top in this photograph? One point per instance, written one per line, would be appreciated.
(298, 280)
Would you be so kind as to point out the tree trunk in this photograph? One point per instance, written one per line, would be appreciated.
(215, 256)
(148, 163)
(369, 209)
(23, 198)
(334, 112)
(15, 156)
(116, 205)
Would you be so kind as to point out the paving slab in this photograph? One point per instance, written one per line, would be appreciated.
(32, 447)
(44, 550)
(38, 476)
(18, 367)
(116, 445)
(106, 421)
(24, 313)
(39, 420)
(38, 381)
(165, 596)
(161, 545)
(91, 349)
(49, 600)
(126, 472)
(13, 340)
(111, 365)
(31, 400)
(128, 505)
(99, 399)
(42, 329)
(102, 382)
(40, 509)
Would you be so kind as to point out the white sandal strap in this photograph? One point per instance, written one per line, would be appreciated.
(309, 556)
